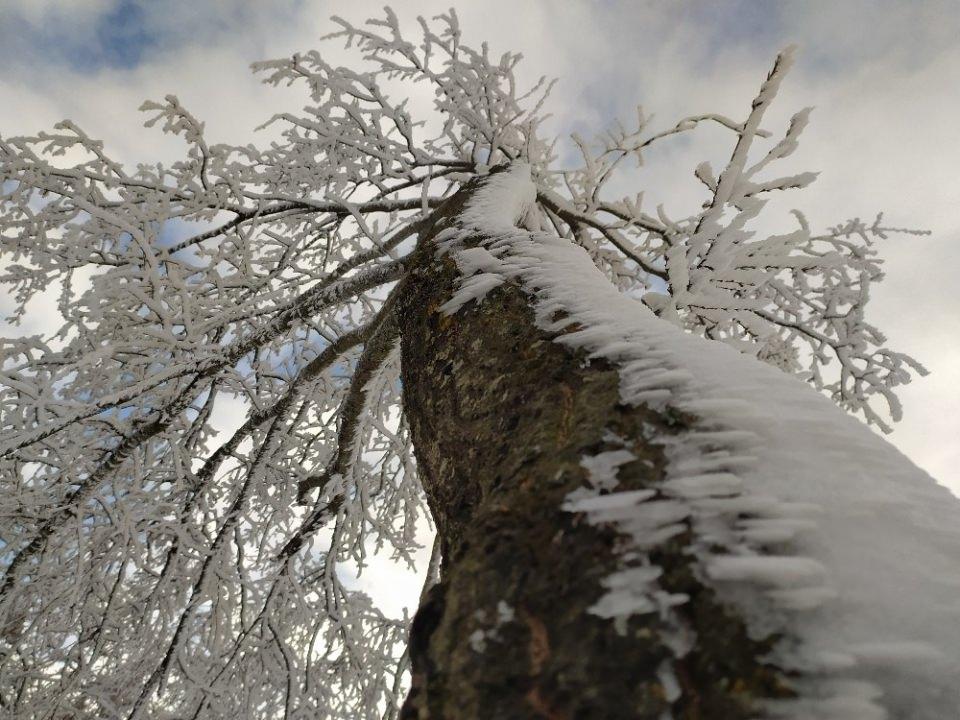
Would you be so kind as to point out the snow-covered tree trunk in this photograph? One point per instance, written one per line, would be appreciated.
(502, 420)
(644, 508)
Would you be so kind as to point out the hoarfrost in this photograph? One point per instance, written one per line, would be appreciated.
(118, 510)
(840, 523)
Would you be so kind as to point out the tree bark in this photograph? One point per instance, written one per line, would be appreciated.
(501, 417)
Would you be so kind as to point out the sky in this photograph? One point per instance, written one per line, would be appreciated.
(884, 78)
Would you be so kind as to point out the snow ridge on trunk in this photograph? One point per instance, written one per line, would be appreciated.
(805, 521)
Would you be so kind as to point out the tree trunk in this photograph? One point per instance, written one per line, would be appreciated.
(501, 417)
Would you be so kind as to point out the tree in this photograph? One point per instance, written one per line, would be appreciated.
(618, 489)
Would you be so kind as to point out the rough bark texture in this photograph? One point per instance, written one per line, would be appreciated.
(501, 417)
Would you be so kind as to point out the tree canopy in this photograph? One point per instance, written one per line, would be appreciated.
(158, 565)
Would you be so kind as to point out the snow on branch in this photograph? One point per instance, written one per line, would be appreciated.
(795, 300)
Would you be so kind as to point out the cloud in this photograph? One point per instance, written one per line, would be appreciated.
(40, 12)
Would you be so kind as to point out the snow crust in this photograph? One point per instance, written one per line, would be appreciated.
(807, 522)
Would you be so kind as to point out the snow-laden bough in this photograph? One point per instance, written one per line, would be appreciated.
(814, 528)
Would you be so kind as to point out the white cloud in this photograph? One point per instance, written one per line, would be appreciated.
(38, 12)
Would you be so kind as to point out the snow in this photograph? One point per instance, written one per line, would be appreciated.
(775, 570)
(472, 288)
(504, 199)
(478, 638)
(602, 467)
(810, 524)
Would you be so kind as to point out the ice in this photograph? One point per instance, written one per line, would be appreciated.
(774, 570)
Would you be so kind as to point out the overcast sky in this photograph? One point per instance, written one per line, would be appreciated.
(884, 77)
